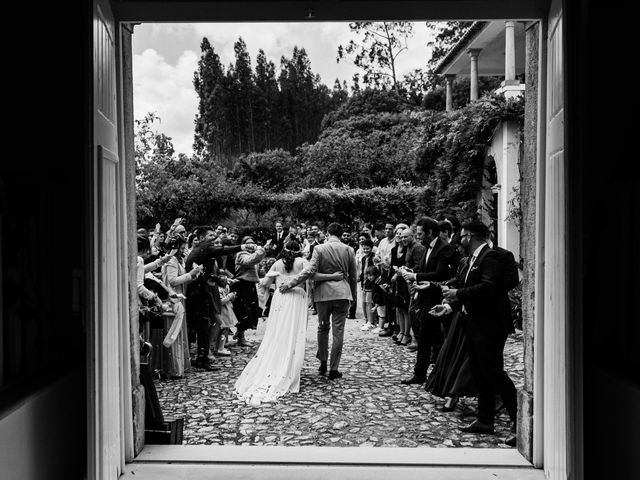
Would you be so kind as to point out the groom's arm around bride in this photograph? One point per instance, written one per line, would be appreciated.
(330, 257)
(332, 297)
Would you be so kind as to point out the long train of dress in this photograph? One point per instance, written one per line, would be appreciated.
(275, 368)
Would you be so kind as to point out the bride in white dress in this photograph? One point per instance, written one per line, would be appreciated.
(275, 368)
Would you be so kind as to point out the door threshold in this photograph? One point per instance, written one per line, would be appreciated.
(194, 462)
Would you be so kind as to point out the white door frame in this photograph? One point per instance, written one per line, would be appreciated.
(552, 382)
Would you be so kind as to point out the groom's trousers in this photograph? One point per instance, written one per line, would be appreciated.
(331, 316)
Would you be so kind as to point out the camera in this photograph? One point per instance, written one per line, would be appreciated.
(174, 241)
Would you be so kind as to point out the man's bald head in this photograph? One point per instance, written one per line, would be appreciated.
(406, 236)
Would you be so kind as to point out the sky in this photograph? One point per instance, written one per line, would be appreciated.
(165, 57)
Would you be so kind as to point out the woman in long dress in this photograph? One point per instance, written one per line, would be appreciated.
(176, 340)
(275, 368)
(452, 376)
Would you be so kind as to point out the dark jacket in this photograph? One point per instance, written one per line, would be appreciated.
(436, 269)
(203, 295)
(509, 267)
(379, 295)
(364, 263)
(415, 255)
(276, 245)
(484, 295)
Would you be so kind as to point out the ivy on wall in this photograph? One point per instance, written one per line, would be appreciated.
(454, 149)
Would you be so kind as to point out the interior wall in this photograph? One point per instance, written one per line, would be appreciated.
(608, 205)
(43, 427)
(41, 438)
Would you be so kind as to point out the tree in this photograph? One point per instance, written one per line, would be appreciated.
(210, 123)
(265, 103)
(151, 147)
(364, 102)
(241, 78)
(376, 54)
(364, 151)
(304, 101)
(446, 35)
(274, 170)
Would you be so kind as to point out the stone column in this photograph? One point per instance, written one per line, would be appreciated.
(473, 54)
(449, 79)
(509, 51)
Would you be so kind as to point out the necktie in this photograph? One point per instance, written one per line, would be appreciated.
(473, 259)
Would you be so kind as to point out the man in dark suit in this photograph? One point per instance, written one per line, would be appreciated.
(481, 295)
(346, 239)
(278, 239)
(434, 267)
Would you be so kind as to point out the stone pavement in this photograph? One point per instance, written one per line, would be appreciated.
(367, 407)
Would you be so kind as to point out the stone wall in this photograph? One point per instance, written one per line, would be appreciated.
(137, 390)
(528, 236)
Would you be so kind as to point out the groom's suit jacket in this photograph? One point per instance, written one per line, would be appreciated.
(330, 257)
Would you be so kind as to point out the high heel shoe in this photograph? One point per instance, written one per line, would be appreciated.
(450, 404)
(399, 338)
(406, 340)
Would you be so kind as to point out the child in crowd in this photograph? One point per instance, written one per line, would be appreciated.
(384, 283)
(378, 298)
(366, 286)
(227, 319)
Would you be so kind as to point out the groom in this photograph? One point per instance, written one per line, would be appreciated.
(332, 297)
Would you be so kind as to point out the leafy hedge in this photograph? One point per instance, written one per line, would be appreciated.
(439, 157)
(402, 202)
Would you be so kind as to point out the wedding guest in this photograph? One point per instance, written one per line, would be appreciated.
(277, 239)
(366, 287)
(203, 296)
(228, 320)
(400, 289)
(482, 298)
(384, 250)
(452, 376)
(346, 239)
(378, 297)
(246, 305)
(446, 233)
(378, 233)
(176, 276)
(415, 253)
(227, 279)
(147, 296)
(434, 267)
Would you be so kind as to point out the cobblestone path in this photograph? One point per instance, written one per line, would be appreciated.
(367, 407)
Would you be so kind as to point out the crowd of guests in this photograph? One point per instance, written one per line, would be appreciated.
(415, 289)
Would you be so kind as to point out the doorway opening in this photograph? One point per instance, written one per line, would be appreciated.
(212, 414)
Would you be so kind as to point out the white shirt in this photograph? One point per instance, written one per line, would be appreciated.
(384, 248)
(471, 262)
(430, 249)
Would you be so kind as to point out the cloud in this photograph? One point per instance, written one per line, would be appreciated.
(168, 90)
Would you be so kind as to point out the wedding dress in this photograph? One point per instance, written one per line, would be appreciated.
(275, 368)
